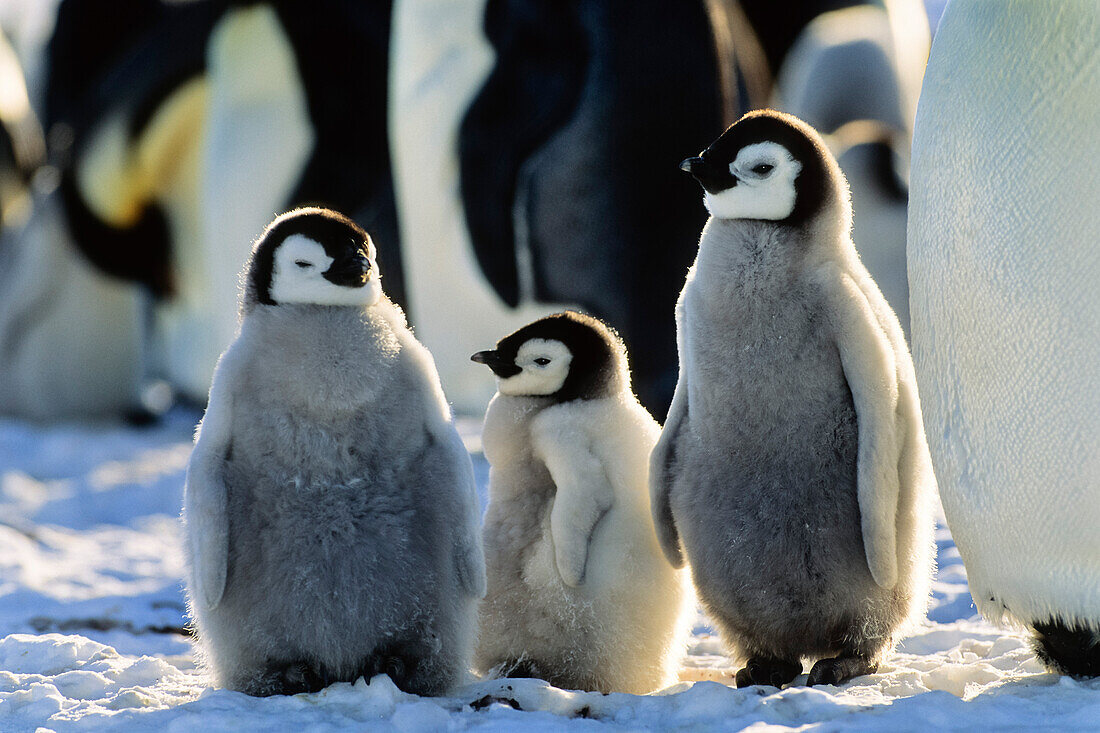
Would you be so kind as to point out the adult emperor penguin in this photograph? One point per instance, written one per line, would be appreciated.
(153, 124)
(579, 593)
(1003, 271)
(332, 524)
(792, 471)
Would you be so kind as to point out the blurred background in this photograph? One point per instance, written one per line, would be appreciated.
(509, 158)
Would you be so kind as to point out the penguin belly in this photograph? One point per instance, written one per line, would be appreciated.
(1003, 268)
(531, 623)
(327, 560)
(767, 501)
(613, 633)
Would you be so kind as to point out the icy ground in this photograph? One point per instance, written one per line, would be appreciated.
(92, 616)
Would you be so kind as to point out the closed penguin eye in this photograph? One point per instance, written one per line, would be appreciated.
(762, 169)
(303, 264)
(542, 361)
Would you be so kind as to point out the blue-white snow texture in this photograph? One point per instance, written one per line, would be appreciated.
(92, 614)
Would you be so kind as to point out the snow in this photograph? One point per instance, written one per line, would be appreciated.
(92, 619)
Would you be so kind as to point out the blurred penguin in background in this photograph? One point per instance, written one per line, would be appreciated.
(177, 134)
(853, 71)
(22, 144)
(554, 191)
(531, 166)
(542, 186)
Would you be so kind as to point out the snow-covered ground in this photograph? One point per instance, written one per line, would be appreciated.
(92, 619)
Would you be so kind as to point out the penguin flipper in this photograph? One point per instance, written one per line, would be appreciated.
(870, 368)
(469, 557)
(446, 450)
(660, 476)
(205, 495)
(584, 492)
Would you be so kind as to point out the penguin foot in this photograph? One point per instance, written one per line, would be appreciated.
(523, 668)
(289, 679)
(767, 671)
(1068, 649)
(837, 670)
(396, 668)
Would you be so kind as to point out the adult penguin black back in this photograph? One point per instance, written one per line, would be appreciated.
(562, 189)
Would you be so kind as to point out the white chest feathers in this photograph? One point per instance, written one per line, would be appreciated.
(765, 174)
(545, 367)
(297, 276)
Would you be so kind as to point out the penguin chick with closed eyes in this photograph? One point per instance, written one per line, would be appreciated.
(331, 518)
(579, 593)
(792, 472)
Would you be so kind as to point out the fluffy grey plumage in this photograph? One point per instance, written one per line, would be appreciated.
(793, 466)
(330, 506)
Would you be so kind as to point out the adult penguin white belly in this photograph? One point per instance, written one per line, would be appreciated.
(1003, 267)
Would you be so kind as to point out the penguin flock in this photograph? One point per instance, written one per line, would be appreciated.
(332, 521)
(792, 473)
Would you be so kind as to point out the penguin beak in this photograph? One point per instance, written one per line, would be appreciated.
(690, 164)
(710, 179)
(501, 366)
(350, 272)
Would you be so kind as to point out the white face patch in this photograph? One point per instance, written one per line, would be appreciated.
(545, 364)
(765, 187)
(297, 277)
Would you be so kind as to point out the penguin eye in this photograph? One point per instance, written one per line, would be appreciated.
(542, 361)
(303, 264)
(763, 169)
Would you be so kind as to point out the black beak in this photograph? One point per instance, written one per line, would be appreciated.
(691, 164)
(501, 366)
(351, 271)
(709, 178)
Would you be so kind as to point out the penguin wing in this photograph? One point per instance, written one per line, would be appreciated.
(870, 367)
(205, 495)
(447, 451)
(664, 453)
(584, 492)
(469, 558)
(660, 475)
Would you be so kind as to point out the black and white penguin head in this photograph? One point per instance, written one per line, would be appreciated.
(769, 166)
(566, 356)
(313, 256)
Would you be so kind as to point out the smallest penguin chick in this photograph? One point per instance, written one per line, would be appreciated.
(579, 593)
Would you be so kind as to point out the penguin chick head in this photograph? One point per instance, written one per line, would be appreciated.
(566, 356)
(313, 256)
(769, 166)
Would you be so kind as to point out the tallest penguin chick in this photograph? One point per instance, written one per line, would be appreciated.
(793, 466)
(332, 523)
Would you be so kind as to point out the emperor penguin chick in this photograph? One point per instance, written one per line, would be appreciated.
(579, 593)
(793, 470)
(330, 508)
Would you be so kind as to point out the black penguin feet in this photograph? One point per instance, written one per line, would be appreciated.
(837, 670)
(768, 671)
(1068, 648)
(397, 670)
(288, 678)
